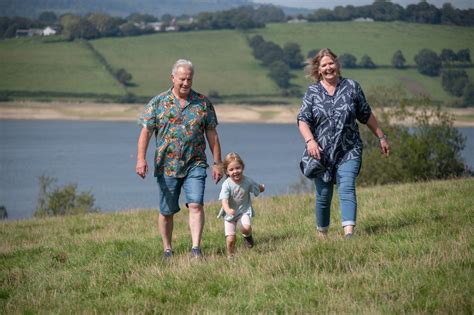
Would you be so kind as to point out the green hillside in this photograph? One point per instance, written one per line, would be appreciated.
(224, 62)
(411, 254)
(31, 65)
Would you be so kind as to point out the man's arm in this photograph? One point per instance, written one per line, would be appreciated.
(215, 147)
(144, 139)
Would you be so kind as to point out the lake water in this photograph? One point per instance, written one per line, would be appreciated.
(100, 157)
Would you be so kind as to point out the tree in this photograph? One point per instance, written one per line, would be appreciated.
(348, 61)
(105, 24)
(428, 62)
(123, 76)
(398, 60)
(468, 96)
(271, 53)
(3, 213)
(454, 81)
(292, 55)
(280, 73)
(366, 62)
(448, 56)
(130, 29)
(312, 53)
(464, 56)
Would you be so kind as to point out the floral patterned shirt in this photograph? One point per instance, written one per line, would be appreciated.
(180, 132)
(332, 120)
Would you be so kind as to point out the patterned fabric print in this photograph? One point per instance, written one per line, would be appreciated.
(180, 132)
(332, 120)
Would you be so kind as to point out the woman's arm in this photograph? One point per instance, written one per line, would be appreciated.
(374, 127)
(311, 144)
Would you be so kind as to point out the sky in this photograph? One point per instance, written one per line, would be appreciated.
(330, 4)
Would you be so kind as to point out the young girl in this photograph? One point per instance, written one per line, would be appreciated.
(236, 203)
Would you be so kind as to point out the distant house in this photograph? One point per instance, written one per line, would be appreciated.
(35, 32)
(21, 33)
(296, 20)
(361, 19)
(156, 26)
(172, 28)
(48, 31)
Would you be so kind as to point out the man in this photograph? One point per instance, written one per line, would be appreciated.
(181, 120)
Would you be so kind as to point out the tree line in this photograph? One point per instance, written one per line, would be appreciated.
(384, 10)
(95, 24)
(281, 60)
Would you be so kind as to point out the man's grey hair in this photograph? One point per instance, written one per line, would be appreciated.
(182, 63)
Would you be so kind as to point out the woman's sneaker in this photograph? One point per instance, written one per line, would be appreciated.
(248, 241)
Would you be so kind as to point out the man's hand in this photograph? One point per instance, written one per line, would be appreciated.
(142, 168)
(217, 172)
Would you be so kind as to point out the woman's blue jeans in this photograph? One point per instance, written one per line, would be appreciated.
(346, 176)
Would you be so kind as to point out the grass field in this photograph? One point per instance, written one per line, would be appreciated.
(380, 40)
(223, 60)
(413, 253)
(29, 64)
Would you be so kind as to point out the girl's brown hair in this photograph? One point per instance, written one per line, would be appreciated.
(313, 67)
(232, 157)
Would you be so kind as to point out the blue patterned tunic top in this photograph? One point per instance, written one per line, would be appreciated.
(332, 120)
(179, 131)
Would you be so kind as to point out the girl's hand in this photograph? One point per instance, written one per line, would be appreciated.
(230, 211)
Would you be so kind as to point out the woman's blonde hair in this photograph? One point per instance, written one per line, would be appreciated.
(312, 69)
(232, 157)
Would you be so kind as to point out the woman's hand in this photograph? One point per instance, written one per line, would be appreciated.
(384, 146)
(313, 149)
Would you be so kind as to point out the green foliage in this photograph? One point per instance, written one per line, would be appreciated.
(292, 55)
(398, 60)
(60, 201)
(448, 56)
(428, 62)
(312, 53)
(429, 149)
(454, 81)
(3, 213)
(366, 62)
(468, 97)
(347, 61)
(280, 73)
(123, 76)
(464, 56)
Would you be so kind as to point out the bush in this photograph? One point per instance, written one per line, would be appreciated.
(468, 96)
(366, 62)
(398, 60)
(3, 213)
(429, 149)
(56, 201)
(454, 81)
(348, 61)
(428, 62)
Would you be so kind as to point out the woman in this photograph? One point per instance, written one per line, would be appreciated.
(327, 122)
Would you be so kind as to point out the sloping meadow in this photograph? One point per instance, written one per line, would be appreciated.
(412, 253)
